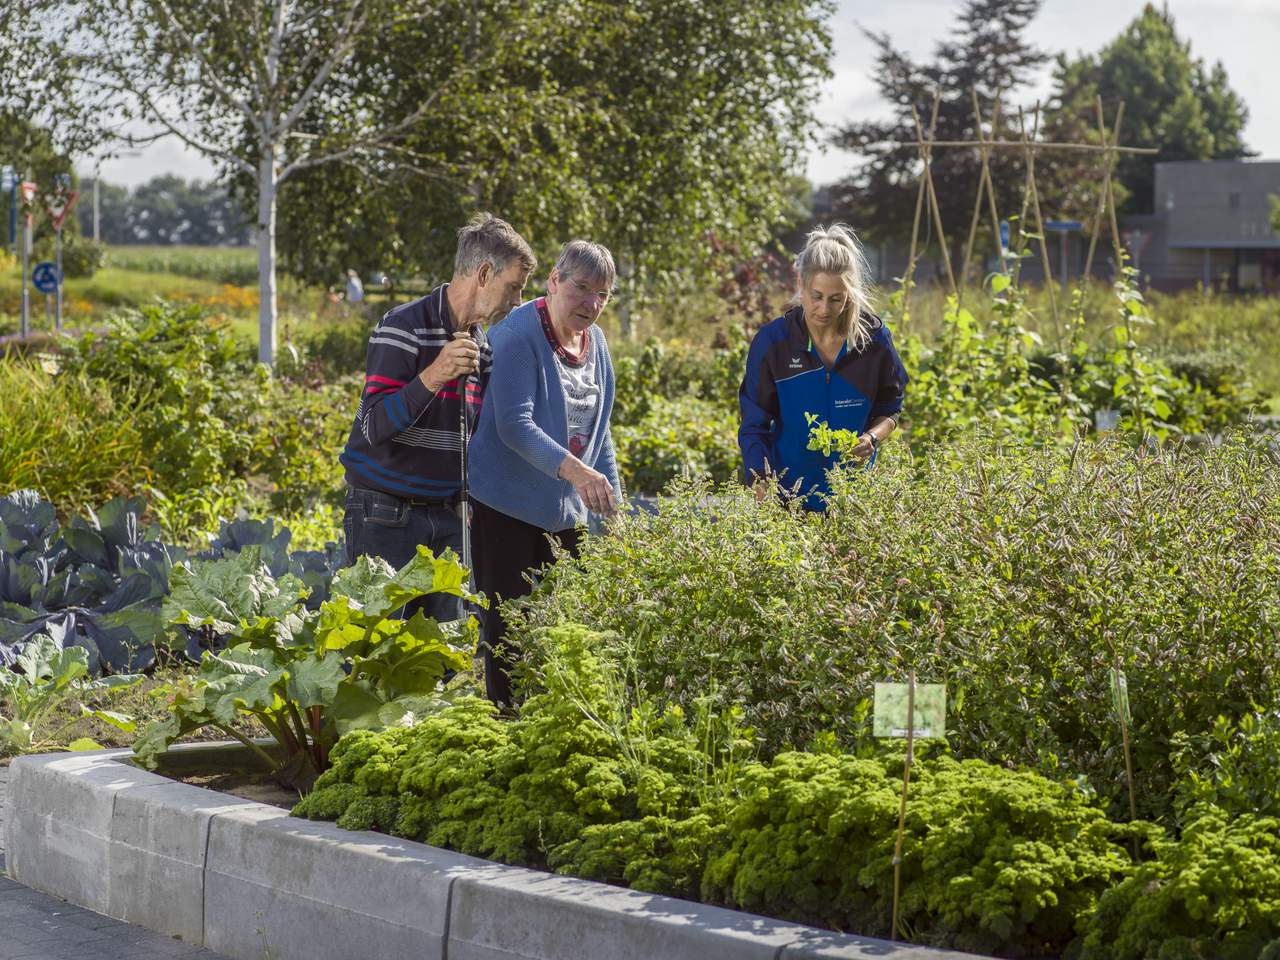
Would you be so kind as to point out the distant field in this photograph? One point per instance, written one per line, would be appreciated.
(234, 265)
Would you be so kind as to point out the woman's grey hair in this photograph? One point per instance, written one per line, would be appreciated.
(486, 238)
(836, 250)
(584, 260)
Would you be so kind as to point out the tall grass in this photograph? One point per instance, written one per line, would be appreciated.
(77, 443)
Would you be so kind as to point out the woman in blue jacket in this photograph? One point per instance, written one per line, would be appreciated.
(828, 356)
(542, 458)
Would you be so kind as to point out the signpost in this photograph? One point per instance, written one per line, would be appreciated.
(61, 201)
(28, 197)
(9, 185)
(912, 711)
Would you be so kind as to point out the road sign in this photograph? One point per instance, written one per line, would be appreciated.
(60, 205)
(28, 191)
(1066, 226)
(45, 277)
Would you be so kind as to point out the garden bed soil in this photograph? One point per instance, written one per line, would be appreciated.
(255, 786)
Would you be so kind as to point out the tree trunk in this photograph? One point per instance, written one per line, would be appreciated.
(627, 290)
(267, 189)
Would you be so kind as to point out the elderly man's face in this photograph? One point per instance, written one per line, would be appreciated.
(576, 302)
(499, 293)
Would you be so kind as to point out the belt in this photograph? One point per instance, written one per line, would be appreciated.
(438, 502)
(450, 502)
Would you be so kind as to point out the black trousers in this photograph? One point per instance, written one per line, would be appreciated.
(504, 550)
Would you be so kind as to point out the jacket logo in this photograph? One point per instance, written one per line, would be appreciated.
(796, 363)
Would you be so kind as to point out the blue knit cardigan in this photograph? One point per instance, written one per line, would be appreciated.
(523, 433)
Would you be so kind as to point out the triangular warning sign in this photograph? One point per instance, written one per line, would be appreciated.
(60, 206)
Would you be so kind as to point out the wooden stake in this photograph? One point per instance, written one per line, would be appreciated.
(1035, 205)
(1016, 272)
(915, 225)
(1046, 145)
(1104, 195)
(902, 807)
(933, 197)
(984, 186)
(1122, 700)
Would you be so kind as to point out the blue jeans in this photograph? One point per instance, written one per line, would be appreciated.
(378, 524)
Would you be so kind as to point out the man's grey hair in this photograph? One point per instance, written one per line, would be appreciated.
(587, 261)
(486, 238)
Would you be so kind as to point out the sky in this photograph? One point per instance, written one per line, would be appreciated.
(1243, 34)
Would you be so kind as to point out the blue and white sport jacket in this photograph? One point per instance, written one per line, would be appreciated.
(786, 378)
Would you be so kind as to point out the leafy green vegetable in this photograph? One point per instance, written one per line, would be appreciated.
(95, 582)
(1212, 893)
(310, 675)
(46, 675)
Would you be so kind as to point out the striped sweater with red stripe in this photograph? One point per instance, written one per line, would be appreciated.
(405, 440)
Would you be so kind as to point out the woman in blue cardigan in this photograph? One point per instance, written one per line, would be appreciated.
(542, 458)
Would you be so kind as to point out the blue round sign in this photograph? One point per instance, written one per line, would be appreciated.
(44, 277)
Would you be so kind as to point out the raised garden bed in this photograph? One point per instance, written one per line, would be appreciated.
(247, 880)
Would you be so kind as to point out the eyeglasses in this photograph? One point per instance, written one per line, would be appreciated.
(586, 293)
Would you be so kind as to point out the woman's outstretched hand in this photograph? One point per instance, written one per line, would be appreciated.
(592, 486)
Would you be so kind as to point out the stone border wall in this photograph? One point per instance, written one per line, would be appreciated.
(247, 880)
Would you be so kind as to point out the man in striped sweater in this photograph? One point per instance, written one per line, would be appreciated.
(403, 459)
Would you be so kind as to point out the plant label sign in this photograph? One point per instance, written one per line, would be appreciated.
(930, 719)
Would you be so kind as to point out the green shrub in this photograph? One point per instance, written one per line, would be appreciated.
(1018, 577)
(74, 439)
(993, 860)
(675, 371)
(676, 438)
(305, 674)
(80, 255)
(199, 397)
(298, 434)
(589, 782)
(1212, 894)
(1234, 766)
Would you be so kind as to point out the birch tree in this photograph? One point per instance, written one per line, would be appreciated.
(267, 89)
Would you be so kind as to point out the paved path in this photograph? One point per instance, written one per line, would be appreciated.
(34, 926)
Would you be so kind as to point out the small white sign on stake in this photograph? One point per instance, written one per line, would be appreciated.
(930, 720)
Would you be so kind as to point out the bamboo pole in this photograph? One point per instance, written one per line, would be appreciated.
(1043, 145)
(1035, 206)
(984, 179)
(1105, 193)
(933, 199)
(909, 274)
(1016, 273)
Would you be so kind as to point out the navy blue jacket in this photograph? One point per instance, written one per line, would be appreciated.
(786, 378)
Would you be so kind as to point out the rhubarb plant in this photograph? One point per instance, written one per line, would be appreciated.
(308, 676)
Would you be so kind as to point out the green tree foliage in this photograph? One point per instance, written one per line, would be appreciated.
(646, 126)
(1173, 102)
(987, 52)
(166, 210)
(34, 153)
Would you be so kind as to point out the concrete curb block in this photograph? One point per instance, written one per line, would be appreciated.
(246, 879)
